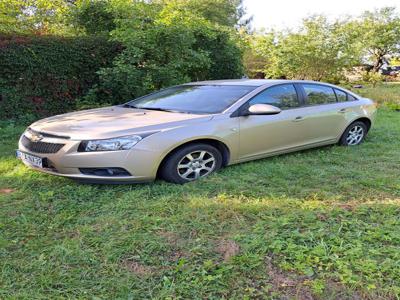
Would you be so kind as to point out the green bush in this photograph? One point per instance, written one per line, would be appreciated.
(45, 75)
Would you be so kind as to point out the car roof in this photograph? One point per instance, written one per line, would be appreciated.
(266, 83)
(251, 82)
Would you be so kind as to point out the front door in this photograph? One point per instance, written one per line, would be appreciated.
(263, 134)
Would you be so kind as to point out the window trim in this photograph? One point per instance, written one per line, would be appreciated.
(347, 96)
(337, 98)
(237, 112)
(348, 100)
(356, 98)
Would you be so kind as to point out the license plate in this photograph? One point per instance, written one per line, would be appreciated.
(30, 159)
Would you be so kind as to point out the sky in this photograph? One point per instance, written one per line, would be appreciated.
(281, 14)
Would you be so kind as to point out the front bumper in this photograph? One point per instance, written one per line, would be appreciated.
(141, 163)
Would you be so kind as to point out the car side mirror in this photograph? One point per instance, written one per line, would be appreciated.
(263, 109)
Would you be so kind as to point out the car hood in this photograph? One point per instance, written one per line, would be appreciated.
(113, 121)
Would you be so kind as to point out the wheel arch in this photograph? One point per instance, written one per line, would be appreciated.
(221, 146)
(365, 120)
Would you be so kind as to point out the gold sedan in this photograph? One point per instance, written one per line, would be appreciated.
(189, 131)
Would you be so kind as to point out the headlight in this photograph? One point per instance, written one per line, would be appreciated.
(120, 143)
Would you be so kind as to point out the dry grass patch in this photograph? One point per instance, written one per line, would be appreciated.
(137, 268)
(227, 248)
(287, 284)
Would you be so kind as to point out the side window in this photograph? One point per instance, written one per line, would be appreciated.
(341, 96)
(351, 98)
(319, 94)
(283, 96)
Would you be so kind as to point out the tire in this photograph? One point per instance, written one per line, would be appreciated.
(190, 163)
(354, 134)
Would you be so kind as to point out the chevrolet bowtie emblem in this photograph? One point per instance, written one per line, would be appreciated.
(36, 137)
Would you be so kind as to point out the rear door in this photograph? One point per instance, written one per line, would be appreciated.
(323, 117)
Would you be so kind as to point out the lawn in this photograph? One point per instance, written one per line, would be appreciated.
(319, 224)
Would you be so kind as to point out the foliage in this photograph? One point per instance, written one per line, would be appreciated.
(320, 224)
(380, 35)
(318, 51)
(223, 12)
(322, 49)
(99, 16)
(165, 43)
(164, 47)
(45, 75)
(257, 53)
(34, 16)
(372, 77)
(94, 17)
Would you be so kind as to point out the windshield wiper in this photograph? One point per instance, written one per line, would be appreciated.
(154, 108)
(160, 109)
(129, 105)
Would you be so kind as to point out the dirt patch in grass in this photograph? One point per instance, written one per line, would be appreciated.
(170, 237)
(347, 206)
(335, 290)
(176, 255)
(137, 268)
(227, 248)
(291, 285)
(176, 244)
(7, 191)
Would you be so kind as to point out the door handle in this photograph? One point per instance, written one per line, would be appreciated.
(342, 111)
(298, 119)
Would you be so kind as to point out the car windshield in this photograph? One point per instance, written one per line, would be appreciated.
(197, 99)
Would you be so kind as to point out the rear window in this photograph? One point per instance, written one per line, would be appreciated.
(351, 98)
(319, 94)
(341, 96)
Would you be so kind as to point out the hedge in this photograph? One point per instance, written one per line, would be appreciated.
(45, 75)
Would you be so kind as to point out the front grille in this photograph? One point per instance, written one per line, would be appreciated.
(40, 147)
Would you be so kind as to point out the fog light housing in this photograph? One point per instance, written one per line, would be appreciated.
(105, 172)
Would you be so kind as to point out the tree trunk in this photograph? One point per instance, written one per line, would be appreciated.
(378, 63)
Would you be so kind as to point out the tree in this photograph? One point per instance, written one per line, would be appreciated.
(319, 50)
(33, 16)
(93, 16)
(257, 53)
(380, 35)
(222, 12)
(164, 46)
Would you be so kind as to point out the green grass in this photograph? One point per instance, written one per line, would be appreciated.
(386, 94)
(323, 223)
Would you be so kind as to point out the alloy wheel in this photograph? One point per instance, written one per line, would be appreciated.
(355, 135)
(196, 164)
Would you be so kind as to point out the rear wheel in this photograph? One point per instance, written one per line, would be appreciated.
(190, 163)
(354, 134)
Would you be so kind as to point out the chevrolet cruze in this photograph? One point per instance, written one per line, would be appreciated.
(189, 131)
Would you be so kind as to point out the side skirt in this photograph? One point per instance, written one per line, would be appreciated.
(289, 150)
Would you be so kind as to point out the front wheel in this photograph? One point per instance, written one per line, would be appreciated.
(354, 134)
(190, 163)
